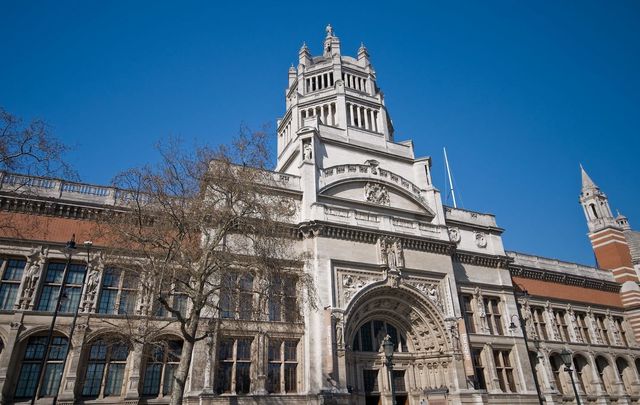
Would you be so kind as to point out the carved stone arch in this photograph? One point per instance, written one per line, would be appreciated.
(424, 322)
(94, 335)
(39, 329)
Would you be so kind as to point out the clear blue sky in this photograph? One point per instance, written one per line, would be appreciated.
(518, 92)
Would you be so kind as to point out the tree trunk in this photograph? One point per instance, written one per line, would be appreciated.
(182, 372)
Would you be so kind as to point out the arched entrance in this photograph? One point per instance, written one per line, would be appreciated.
(423, 356)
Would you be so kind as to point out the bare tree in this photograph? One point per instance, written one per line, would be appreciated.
(31, 149)
(27, 149)
(193, 222)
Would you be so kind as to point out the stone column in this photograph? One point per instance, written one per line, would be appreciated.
(260, 388)
(366, 118)
(8, 359)
(70, 377)
(351, 118)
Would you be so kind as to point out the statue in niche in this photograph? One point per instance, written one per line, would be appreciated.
(93, 281)
(32, 276)
(391, 253)
(307, 151)
(376, 193)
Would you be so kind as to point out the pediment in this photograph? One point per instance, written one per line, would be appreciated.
(376, 192)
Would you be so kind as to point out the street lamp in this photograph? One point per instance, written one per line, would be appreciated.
(387, 345)
(68, 249)
(536, 344)
(567, 359)
(87, 244)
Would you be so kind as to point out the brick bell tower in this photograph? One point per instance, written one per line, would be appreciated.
(611, 247)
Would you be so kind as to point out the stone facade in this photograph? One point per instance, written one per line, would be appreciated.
(470, 322)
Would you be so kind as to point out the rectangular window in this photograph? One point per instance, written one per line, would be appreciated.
(539, 322)
(53, 284)
(504, 370)
(370, 378)
(283, 364)
(494, 319)
(283, 304)
(560, 318)
(398, 381)
(12, 270)
(234, 366)
(583, 328)
(618, 321)
(467, 309)
(602, 330)
(478, 366)
(118, 292)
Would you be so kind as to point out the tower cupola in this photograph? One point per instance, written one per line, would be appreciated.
(335, 91)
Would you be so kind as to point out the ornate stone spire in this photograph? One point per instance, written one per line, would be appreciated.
(587, 183)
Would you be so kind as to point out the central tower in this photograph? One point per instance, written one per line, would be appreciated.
(336, 91)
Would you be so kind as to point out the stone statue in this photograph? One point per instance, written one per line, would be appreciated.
(329, 30)
(307, 151)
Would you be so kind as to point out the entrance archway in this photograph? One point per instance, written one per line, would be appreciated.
(423, 359)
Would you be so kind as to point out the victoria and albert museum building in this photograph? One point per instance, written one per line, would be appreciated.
(418, 302)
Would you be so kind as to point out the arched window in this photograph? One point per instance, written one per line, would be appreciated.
(31, 362)
(162, 361)
(557, 367)
(626, 374)
(105, 369)
(372, 333)
(593, 210)
(604, 371)
(582, 372)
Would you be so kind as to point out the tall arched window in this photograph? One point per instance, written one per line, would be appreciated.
(594, 211)
(582, 372)
(371, 334)
(557, 367)
(604, 371)
(162, 361)
(626, 374)
(31, 362)
(105, 369)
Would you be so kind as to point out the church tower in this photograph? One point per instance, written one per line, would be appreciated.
(611, 246)
(606, 232)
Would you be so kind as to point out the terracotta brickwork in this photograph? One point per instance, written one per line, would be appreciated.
(547, 289)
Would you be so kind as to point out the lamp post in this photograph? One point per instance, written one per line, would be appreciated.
(536, 344)
(87, 244)
(567, 359)
(69, 248)
(387, 345)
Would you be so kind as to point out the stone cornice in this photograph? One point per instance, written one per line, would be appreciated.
(562, 278)
(335, 231)
(478, 259)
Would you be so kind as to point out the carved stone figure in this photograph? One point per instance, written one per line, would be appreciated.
(481, 240)
(454, 235)
(351, 284)
(307, 151)
(376, 193)
(391, 253)
(32, 276)
(338, 323)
